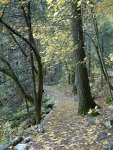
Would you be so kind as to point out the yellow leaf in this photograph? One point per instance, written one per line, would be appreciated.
(5, 2)
(105, 142)
(79, 2)
(49, 1)
(111, 56)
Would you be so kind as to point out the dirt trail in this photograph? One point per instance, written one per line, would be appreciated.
(57, 94)
(65, 130)
(58, 126)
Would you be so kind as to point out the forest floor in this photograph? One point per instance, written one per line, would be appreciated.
(65, 130)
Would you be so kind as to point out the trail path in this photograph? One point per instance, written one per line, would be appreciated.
(65, 130)
(58, 94)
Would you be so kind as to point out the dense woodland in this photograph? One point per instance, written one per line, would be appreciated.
(56, 74)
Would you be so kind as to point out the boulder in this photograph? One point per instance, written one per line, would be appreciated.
(21, 147)
(4, 147)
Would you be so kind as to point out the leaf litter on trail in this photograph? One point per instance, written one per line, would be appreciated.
(65, 130)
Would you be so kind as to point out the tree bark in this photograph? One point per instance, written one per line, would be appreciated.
(37, 98)
(83, 89)
(89, 58)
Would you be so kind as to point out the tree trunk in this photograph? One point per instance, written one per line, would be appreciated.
(83, 89)
(102, 51)
(37, 98)
(89, 58)
(32, 45)
(69, 77)
(99, 51)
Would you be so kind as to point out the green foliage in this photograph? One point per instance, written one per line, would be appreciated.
(45, 99)
(108, 100)
(5, 132)
(5, 112)
(16, 119)
(94, 112)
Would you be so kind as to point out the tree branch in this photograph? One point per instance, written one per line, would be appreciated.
(32, 45)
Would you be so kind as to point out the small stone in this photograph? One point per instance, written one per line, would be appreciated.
(74, 97)
(21, 147)
(109, 134)
(36, 127)
(90, 122)
(107, 123)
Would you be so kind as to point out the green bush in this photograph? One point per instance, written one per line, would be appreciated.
(108, 100)
(94, 112)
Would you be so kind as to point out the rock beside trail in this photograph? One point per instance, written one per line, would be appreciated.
(74, 97)
(4, 147)
(49, 105)
(39, 128)
(17, 140)
(48, 110)
(21, 147)
(27, 123)
(110, 146)
(28, 139)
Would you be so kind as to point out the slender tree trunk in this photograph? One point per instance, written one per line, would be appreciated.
(69, 77)
(37, 98)
(100, 60)
(83, 89)
(99, 51)
(89, 58)
(102, 51)
(33, 46)
(32, 63)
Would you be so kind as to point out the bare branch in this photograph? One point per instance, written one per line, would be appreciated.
(18, 45)
(3, 11)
